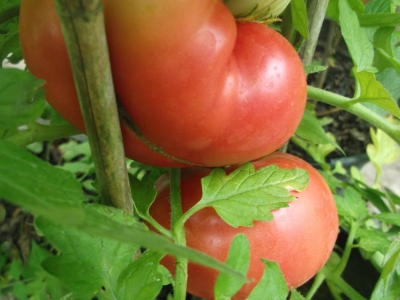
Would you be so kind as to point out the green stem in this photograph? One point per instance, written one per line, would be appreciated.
(39, 133)
(337, 272)
(178, 234)
(82, 23)
(393, 130)
(319, 279)
(345, 288)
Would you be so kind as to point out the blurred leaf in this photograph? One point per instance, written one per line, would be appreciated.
(384, 40)
(246, 195)
(359, 46)
(351, 205)
(311, 130)
(72, 149)
(21, 100)
(141, 280)
(314, 68)
(299, 17)
(295, 295)
(368, 89)
(272, 283)
(389, 218)
(143, 195)
(10, 47)
(8, 9)
(380, 20)
(388, 285)
(372, 240)
(383, 150)
(239, 259)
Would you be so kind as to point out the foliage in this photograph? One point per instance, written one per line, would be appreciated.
(91, 250)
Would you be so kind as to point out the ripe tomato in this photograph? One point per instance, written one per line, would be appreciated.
(201, 88)
(300, 238)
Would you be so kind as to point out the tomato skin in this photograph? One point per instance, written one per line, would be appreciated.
(300, 238)
(201, 88)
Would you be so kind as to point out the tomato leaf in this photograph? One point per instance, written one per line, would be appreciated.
(380, 20)
(351, 205)
(141, 279)
(246, 195)
(295, 295)
(310, 129)
(389, 218)
(372, 240)
(10, 47)
(8, 9)
(272, 283)
(143, 195)
(299, 16)
(360, 47)
(60, 201)
(368, 89)
(388, 285)
(88, 262)
(314, 68)
(21, 100)
(239, 259)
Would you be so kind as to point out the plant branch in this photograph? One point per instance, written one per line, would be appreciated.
(178, 234)
(82, 23)
(316, 14)
(393, 130)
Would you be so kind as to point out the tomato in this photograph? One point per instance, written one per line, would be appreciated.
(300, 238)
(201, 88)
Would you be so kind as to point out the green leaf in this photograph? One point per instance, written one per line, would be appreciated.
(389, 218)
(239, 259)
(314, 68)
(21, 101)
(368, 89)
(311, 130)
(383, 150)
(143, 195)
(272, 285)
(60, 200)
(295, 295)
(360, 47)
(372, 240)
(72, 149)
(8, 9)
(88, 262)
(141, 279)
(380, 20)
(246, 195)
(299, 17)
(39, 187)
(10, 48)
(351, 205)
(388, 285)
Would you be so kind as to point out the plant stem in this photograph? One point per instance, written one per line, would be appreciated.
(316, 14)
(39, 133)
(337, 272)
(82, 23)
(393, 130)
(178, 234)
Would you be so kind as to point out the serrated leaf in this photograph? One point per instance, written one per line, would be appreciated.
(368, 89)
(295, 295)
(272, 283)
(239, 259)
(360, 47)
(299, 17)
(246, 195)
(372, 240)
(21, 101)
(141, 279)
(351, 205)
(88, 262)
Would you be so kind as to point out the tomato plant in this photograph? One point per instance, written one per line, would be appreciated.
(300, 238)
(201, 89)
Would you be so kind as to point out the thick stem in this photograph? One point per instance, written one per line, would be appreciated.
(316, 14)
(393, 130)
(178, 234)
(82, 24)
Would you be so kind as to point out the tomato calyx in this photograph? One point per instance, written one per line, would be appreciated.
(130, 123)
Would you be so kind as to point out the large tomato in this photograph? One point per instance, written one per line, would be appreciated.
(201, 88)
(300, 238)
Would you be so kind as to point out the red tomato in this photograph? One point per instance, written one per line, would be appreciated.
(300, 238)
(201, 88)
